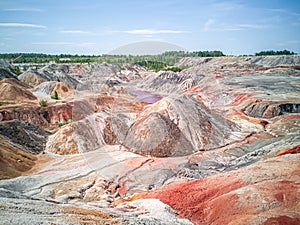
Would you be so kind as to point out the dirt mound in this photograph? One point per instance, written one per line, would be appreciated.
(242, 62)
(177, 126)
(158, 136)
(5, 71)
(14, 82)
(32, 78)
(31, 138)
(48, 88)
(13, 90)
(13, 160)
(57, 73)
(78, 137)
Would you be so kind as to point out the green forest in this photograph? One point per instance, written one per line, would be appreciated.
(168, 58)
(271, 52)
(156, 62)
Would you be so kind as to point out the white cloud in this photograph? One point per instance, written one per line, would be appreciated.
(85, 44)
(236, 27)
(151, 31)
(29, 25)
(284, 11)
(75, 32)
(52, 43)
(227, 6)
(278, 10)
(61, 43)
(24, 10)
(208, 24)
(251, 26)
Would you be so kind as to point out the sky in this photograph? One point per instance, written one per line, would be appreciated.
(235, 27)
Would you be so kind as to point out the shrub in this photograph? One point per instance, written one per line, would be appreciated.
(176, 68)
(55, 96)
(5, 103)
(65, 123)
(43, 103)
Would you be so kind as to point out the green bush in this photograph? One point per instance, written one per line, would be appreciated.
(65, 123)
(15, 70)
(5, 103)
(55, 96)
(43, 103)
(176, 68)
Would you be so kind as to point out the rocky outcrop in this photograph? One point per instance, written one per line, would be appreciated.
(49, 116)
(31, 138)
(271, 109)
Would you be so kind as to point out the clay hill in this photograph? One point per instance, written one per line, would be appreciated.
(217, 143)
(13, 90)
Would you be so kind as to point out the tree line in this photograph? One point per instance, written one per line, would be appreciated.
(168, 58)
(271, 52)
(150, 61)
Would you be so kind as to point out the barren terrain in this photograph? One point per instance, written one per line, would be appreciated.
(217, 143)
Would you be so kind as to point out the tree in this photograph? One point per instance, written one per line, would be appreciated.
(55, 96)
(271, 52)
(17, 70)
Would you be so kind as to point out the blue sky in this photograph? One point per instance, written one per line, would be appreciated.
(97, 27)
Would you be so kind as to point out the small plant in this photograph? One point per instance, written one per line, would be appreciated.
(43, 103)
(5, 103)
(55, 96)
(65, 123)
(15, 70)
(61, 124)
(176, 68)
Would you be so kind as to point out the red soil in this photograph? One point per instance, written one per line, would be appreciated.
(195, 200)
(263, 193)
(193, 89)
(293, 150)
(286, 118)
(249, 118)
(239, 99)
(282, 220)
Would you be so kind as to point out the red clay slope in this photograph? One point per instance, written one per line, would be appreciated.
(267, 192)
